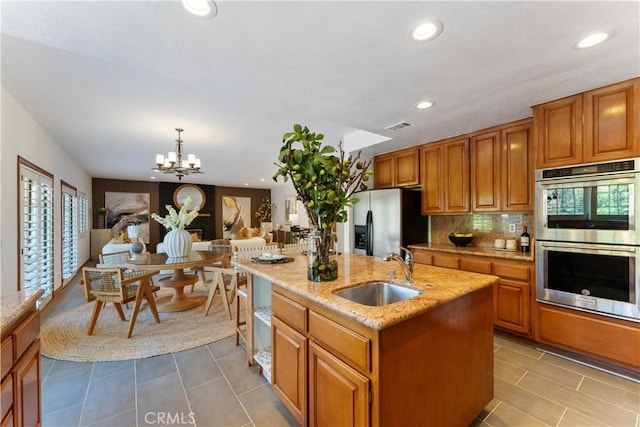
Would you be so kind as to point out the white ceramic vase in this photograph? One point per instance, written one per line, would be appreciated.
(177, 243)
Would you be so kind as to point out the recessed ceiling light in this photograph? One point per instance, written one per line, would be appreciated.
(594, 39)
(262, 179)
(246, 183)
(423, 105)
(201, 8)
(427, 30)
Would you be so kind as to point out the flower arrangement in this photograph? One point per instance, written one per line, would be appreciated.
(325, 179)
(265, 210)
(177, 220)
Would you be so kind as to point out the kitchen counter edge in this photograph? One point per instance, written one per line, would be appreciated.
(439, 285)
(13, 305)
(474, 250)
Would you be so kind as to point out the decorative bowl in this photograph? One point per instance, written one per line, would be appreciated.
(460, 240)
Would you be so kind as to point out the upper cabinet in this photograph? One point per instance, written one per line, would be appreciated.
(502, 168)
(598, 125)
(445, 176)
(397, 169)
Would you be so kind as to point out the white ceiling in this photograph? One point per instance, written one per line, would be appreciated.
(111, 80)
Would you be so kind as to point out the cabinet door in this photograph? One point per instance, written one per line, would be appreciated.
(517, 168)
(456, 156)
(338, 394)
(511, 306)
(611, 122)
(27, 410)
(407, 168)
(384, 171)
(432, 178)
(559, 132)
(289, 368)
(486, 172)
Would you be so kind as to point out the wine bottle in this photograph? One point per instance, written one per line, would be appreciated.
(525, 240)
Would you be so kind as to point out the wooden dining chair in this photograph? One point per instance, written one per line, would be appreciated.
(221, 246)
(115, 259)
(293, 249)
(111, 285)
(225, 279)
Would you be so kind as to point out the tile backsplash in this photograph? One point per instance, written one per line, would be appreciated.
(485, 227)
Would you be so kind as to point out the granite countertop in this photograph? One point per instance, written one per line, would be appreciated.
(13, 305)
(439, 285)
(474, 250)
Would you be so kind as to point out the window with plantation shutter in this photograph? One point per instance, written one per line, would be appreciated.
(83, 214)
(69, 232)
(36, 230)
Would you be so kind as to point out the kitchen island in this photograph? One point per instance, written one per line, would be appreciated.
(427, 360)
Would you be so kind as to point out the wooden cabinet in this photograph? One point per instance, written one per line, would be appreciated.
(20, 395)
(589, 334)
(512, 297)
(502, 168)
(359, 376)
(338, 394)
(397, 169)
(612, 122)
(594, 126)
(27, 411)
(289, 368)
(512, 292)
(445, 176)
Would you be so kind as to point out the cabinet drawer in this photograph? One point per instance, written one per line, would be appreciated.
(6, 396)
(446, 261)
(516, 272)
(292, 313)
(336, 337)
(6, 356)
(422, 257)
(475, 266)
(25, 334)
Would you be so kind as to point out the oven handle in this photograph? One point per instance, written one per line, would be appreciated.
(611, 248)
(582, 179)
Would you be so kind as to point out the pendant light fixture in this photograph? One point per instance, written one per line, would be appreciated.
(174, 162)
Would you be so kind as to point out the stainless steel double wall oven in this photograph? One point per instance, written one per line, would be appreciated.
(588, 237)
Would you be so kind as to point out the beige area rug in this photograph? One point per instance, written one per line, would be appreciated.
(64, 337)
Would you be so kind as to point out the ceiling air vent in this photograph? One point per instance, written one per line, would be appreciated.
(398, 126)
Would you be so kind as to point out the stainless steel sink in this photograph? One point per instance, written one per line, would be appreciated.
(378, 293)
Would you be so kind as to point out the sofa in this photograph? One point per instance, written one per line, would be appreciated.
(112, 247)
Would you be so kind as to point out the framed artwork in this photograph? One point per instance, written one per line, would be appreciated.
(236, 213)
(124, 209)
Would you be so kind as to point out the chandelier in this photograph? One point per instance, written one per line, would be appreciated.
(175, 164)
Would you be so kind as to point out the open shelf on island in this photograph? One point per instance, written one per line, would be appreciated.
(264, 314)
(262, 356)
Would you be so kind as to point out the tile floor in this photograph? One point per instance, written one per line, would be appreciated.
(212, 386)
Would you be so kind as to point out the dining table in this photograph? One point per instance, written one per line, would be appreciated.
(177, 281)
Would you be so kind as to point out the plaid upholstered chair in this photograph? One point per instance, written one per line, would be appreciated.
(111, 285)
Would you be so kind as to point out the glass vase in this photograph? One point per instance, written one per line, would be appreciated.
(322, 261)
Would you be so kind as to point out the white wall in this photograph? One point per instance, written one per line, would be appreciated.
(344, 230)
(23, 136)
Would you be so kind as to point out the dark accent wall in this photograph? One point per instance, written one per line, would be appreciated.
(161, 194)
(256, 197)
(99, 186)
(204, 221)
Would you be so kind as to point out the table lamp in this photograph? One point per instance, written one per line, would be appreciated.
(137, 247)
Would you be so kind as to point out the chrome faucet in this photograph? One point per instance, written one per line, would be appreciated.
(406, 262)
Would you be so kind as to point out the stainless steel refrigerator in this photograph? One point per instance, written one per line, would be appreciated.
(384, 220)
